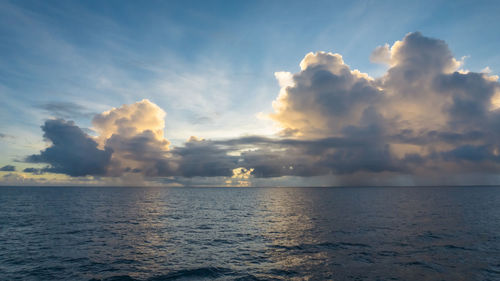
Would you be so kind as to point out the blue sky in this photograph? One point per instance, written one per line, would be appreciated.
(208, 64)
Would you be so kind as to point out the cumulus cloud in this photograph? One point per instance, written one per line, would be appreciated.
(135, 134)
(72, 151)
(381, 54)
(423, 117)
(423, 110)
(8, 168)
(130, 120)
(130, 141)
(324, 97)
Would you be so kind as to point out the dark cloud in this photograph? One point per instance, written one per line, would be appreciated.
(8, 168)
(5, 136)
(35, 171)
(139, 153)
(72, 151)
(201, 158)
(66, 110)
(471, 153)
(471, 95)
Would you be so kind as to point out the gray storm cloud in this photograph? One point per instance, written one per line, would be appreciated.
(423, 116)
(72, 152)
(8, 168)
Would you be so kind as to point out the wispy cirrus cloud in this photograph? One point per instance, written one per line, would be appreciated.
(65, 110)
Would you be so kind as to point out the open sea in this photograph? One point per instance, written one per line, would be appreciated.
(154, 233)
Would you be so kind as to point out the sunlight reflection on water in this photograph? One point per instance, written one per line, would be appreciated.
(80, 233)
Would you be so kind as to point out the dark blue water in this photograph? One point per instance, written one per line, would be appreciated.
(123, 233)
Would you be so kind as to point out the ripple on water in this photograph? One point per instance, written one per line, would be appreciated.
(145, 234)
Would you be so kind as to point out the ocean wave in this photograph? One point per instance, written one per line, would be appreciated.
(205, 272)
(320, 246)
(194, 273)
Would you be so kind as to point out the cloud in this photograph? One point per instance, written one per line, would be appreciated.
(296, 157)
(130, 120)
(324, 97)
(422, 113)
(72, 151)
(381, 54)
(202, 158)
(424, 118)
(34, 171)
(18, 179)
(240, 177)
(8, 168)
(135, 134)
(65, 110)
(5, 136)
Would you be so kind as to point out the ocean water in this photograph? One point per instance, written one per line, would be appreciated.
(152, 233)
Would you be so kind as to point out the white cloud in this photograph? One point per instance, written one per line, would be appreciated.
(381, 54)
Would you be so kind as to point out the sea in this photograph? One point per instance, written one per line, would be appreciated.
(184, 233)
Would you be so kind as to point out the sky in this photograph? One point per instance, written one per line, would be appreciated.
(249, 93)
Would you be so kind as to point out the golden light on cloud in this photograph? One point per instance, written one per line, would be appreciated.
(495, 100)
(302, 107)
(130, 120)
(135, 133)
(241, 177)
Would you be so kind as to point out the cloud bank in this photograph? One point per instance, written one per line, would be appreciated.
(8, 168)
(424, 118)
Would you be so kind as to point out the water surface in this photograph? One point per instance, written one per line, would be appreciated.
(153, 233)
